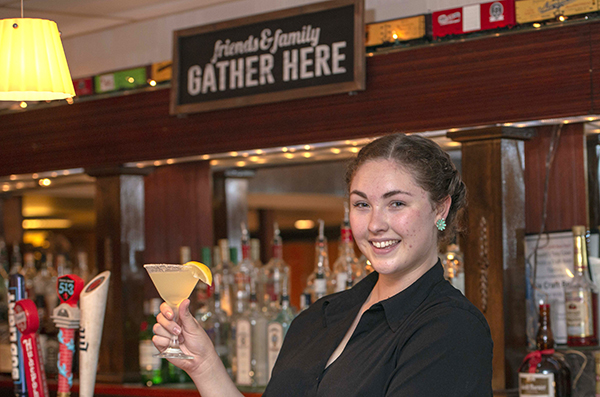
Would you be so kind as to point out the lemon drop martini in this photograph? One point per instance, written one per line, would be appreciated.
(175, 283)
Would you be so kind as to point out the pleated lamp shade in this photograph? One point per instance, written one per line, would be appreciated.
(33, 66)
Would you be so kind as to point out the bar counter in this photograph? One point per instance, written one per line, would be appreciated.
(124, 390)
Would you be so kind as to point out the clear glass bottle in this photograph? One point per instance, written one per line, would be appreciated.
(346, 269)
(275, 272)
(319, 281)
(152, 369)
(16, 260)
(29, 271)
(243, 271)
(278, 327)
(251, 345)
(83, 269)
(544, 373)
(4, 262)
(217, 324)
(453, 263)
(581, 297)
(224, 267)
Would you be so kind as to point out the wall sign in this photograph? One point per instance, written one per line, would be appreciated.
(300, 52)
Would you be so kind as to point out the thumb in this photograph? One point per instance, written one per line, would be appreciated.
(186, 318)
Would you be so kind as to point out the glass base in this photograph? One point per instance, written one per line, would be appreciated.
(174, 353)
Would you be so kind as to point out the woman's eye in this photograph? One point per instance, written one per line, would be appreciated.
(360, 204)
(396, 204)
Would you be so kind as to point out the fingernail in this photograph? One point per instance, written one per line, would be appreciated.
(169, 315)
(177, 330)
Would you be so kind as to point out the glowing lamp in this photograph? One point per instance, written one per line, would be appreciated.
(33, 66)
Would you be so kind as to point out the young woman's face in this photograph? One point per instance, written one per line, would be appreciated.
(393, 219)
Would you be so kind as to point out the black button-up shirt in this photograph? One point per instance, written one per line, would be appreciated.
(426, 341)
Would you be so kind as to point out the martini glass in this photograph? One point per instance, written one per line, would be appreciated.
(174, 283)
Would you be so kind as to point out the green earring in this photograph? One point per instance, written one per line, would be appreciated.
(441, 224)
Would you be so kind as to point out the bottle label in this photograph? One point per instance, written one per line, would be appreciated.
(579, 314)
(147, 360)
(242, 344)
(340, 281)
(275, 334)
(536, 385)
(320, 286)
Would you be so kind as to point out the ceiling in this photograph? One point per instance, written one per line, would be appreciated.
(79, 17)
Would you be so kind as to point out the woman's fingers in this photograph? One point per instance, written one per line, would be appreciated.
(169, 325)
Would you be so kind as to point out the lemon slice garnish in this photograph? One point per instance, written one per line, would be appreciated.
(200, 271)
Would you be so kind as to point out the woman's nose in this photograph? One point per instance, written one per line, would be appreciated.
(378, 221)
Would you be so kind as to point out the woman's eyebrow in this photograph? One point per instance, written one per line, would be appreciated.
(395, 192)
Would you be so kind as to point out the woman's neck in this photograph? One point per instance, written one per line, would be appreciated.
(389, 285)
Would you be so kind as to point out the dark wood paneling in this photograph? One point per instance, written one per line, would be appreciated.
(494, 273)
(567, 199)
(178, 211)
(12, 220)
(119, 207)
(522, 76)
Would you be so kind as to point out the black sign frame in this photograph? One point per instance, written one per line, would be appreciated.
(352, 79)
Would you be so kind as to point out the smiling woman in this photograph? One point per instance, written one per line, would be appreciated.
(411, 331)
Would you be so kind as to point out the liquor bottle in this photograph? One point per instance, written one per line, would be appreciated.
(243, 271)
(62, 265)
(224, 267)
(319, 281)
(4, 262)
(16, 260)
(251, 345)
(275, 271)
(278, 327)
(544, 372)
(258, 332)
(346, 269)
(217, 325)
(581, 297)
(241, 346)
(453, 263)
(202, 292)
(29, 272)
(152, 370)
(83, 269)
(255, 252)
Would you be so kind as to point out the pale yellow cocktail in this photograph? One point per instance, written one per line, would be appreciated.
(174, 286)
(174, 283)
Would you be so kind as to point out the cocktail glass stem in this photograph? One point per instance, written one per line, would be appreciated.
(174, 344)
(174, 350)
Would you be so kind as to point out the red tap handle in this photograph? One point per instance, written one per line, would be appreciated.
(27, 321)
(69, 288)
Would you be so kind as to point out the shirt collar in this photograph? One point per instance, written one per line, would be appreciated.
(397, 308)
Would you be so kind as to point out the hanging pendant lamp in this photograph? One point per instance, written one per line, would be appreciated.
(33, 66)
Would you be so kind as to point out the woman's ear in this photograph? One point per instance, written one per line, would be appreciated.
(444, 207)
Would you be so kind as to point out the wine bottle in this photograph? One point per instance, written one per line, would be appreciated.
(581, 297)
(544, 372)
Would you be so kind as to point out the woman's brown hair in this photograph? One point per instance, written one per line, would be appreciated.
(430, 166)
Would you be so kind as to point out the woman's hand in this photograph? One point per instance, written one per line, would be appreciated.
(193, 340)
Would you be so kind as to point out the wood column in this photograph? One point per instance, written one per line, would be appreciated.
(119, 207)
(231, 205)
(178, 211)
(492, 169)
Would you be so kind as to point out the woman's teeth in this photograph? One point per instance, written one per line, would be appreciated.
(383, 244)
